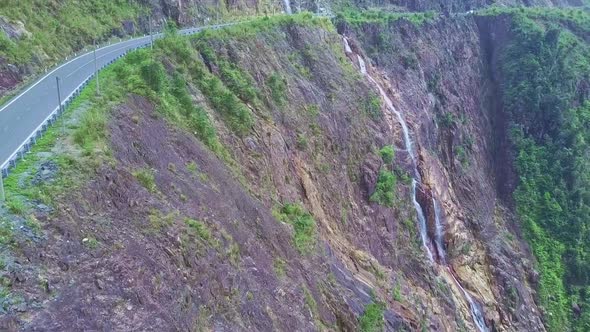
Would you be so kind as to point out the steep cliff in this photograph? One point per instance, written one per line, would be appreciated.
(453, 6)
(501, 105)
(294, 174)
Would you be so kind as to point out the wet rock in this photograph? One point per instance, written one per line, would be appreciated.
(19, 277)
(533, 277)
(251, 143)
(98, 283)
(44, 208)
(128, 27)
(369, 174)
(8, 323)
(576, 309)
(47, 172)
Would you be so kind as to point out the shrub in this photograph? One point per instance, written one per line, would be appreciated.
(154, 75)
(302, 142)
(372, 106)
(16, 206)
(91, 130)
(387, 154)
(303, 225)
(195, 117)
(447, 120)
(385, 189)
(372, 318)
(199, 228)
(146, 178)
(278, 88)
(236, 114)
(238, 82)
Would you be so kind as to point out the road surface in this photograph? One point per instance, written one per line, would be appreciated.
(24, 116)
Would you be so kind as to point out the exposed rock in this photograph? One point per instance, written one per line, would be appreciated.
(14, 30)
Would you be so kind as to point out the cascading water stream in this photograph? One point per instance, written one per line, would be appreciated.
(287, 4)
(475, 308)
(439, 232)
(410, 148)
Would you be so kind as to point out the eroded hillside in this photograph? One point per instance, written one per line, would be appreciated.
(259, 177)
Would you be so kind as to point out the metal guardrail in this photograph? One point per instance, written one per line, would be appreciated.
(26, 146)
(28, 143)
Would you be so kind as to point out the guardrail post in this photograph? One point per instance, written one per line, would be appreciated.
(151, 35)
(2, 193)
(63, 127)
(96, 71)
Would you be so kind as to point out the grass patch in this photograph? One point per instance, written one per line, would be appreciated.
(280, 266)
(61, 28)
(372, 106)
(278, 88)
(372, 318)
(199, 228)
(146, 177)
(304, 226)
(358, 18)
(387, 154)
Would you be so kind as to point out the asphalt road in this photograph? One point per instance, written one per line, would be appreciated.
(23, 115)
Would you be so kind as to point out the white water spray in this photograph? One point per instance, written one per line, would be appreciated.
(439, 232)
(476, 311)
(421, 221)
(410, 148)
(287, 4)
(475, 308)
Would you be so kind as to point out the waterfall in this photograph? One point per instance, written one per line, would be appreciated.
(475, 308)
(287, 4)
(439, 232)
(409, 147)
(476, 311)
(421, 221)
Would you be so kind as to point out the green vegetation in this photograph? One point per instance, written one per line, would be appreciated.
(302, 141)
(278, 89)
(372, 106)
(199, 228)
(550, 128)
(573, 18)
(91, 242)
(385, 189)
(358, 18)
(279, 266)
(144, 75)
(146, 178)
(372, 318)
(310, 302)
(266, 24)
(236, 80)
(447, 120)
(396, 292)
(91, 130)
(60, 28)
(387, 180)
(303, 224)
(387, 154)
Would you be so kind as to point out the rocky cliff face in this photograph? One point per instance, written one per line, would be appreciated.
(283, 232)
(461, 5)
(440, 76)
